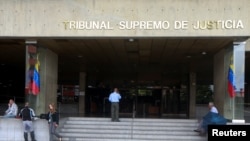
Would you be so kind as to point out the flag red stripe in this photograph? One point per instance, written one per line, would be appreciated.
(231, 89)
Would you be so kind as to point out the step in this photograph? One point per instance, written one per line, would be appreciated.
(139, 129)
(129, 136)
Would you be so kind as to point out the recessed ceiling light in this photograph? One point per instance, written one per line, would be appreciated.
(203, 53)
(131, 40)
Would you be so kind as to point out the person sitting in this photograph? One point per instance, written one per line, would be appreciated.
(212, 117)
(12, 110)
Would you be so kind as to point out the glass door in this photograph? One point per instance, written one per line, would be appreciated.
(174, 102)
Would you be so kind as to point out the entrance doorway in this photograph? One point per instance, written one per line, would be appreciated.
(175, 102)
(139, 102)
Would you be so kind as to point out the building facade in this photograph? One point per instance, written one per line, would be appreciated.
(165, 35)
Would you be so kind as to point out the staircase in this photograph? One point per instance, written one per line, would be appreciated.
(102, 129)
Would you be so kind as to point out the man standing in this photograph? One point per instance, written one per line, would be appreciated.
(114, 98)
(12, 110)
(27, 114)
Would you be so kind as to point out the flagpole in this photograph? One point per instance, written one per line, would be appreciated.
(233, 108)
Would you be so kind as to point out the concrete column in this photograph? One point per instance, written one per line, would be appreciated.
(32, 87)
(238, 60)
(82, 89)
(219, 81)
(47, 70)
(232, 107)
(247, 47)
(247, 86)
(192, 95)
(49, 77)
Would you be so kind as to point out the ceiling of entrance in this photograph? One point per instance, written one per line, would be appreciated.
(113, 57)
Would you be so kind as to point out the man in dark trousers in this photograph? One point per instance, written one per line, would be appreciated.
(114, 98)
(27, 114)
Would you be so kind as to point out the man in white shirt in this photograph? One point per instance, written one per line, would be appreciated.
(212, 107)
(114, 98)
(12, 110)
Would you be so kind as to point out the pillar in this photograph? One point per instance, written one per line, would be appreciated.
(32, 87)
(230, 102)
(41, 77)
(219, 80)
(82, 89)
(247, 80)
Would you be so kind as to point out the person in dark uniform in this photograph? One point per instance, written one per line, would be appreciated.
(27, 114)
(114, 98)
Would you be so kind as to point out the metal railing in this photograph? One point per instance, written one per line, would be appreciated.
(132, 122)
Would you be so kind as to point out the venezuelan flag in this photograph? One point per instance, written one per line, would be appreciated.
(35, 83)
(231, 80)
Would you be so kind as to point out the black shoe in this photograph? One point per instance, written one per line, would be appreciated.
(196, 130)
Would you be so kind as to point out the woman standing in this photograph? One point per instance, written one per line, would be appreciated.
(53, 120)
